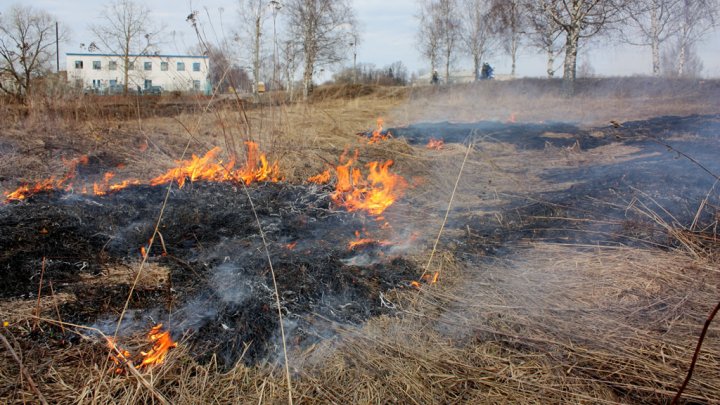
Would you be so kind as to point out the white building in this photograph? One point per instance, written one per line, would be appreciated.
(105, 73)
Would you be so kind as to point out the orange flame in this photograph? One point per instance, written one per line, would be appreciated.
(374, 193)
(365, 241)
(322, 178)
(427, 278)
(119, 356)
(436, 144)
(162, 343)
(378, 134)
(207, 167)
(52, 183)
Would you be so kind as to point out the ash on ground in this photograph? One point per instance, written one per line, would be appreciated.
(219, 288)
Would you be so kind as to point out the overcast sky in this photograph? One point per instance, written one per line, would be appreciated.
(388, 34)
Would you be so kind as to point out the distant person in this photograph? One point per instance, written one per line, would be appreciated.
(435, 78)
(487, 72)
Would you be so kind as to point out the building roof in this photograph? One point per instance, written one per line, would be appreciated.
(135, 55)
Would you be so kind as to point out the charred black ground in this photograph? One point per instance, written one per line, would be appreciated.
(220, 289)
(607, 203)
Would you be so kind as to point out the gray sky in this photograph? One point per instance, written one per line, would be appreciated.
(388, 31)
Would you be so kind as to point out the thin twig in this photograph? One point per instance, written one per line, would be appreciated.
(134, 371)
(39, 294)
(23, 370)
(708, 321)
(277, 293)
(447, 212)
(57, 310)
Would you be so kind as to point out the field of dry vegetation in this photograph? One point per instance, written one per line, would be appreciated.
(554, 250)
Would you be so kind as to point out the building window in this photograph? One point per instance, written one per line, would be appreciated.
(181, 66)
(112, 65)
(131, 66)
(78, 64)
(97, 65)
(148, 65)
(164, 66)
(196, 67)
(196, 85)
(148, 84)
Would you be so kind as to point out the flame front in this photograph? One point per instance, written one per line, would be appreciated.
(162, 343)
(207, 167)
(119, 356)
(365, 241)
(322, 178)
(373, 193)
(436, 144)
(378, 134)
(52, 183)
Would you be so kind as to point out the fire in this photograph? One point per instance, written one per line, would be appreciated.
(378, 134)
(374, 193)
(322, 178)
(52, 183)
(208, 167)
(162, 343)
(119, 356)
(427, 278)
(365, 241)
(436, 144)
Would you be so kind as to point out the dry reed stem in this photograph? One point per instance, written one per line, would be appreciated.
(23, 370)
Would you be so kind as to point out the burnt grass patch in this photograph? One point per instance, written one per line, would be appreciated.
(640, 202)
(219, 290)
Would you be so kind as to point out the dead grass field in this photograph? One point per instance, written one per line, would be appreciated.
(546, 322)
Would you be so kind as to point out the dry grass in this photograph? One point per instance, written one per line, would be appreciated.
(530, 329)
(548, 323)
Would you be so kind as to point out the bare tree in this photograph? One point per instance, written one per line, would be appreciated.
(224, 71)
(581, 19)
(126, 31)
(429, 32)
(440, 29)
(322, 27)
(544, 34)
(655, 21)
(692, 65)
(27, 47)
(291, 54)
(477, 34)
(253, 14)
(449, 19)
(697, 19)
(511, 24)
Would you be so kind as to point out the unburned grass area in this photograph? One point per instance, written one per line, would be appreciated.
(577, 264)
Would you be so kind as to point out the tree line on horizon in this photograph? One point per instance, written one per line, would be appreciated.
(278, 41)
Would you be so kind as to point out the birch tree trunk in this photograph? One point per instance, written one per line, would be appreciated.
(655, 41)
(256, 54)
(550, 62)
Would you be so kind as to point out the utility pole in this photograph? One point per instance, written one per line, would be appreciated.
(276, 8)
(354, 45)
(57, 47)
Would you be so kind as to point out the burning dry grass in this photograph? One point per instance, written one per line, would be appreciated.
(548, 323)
